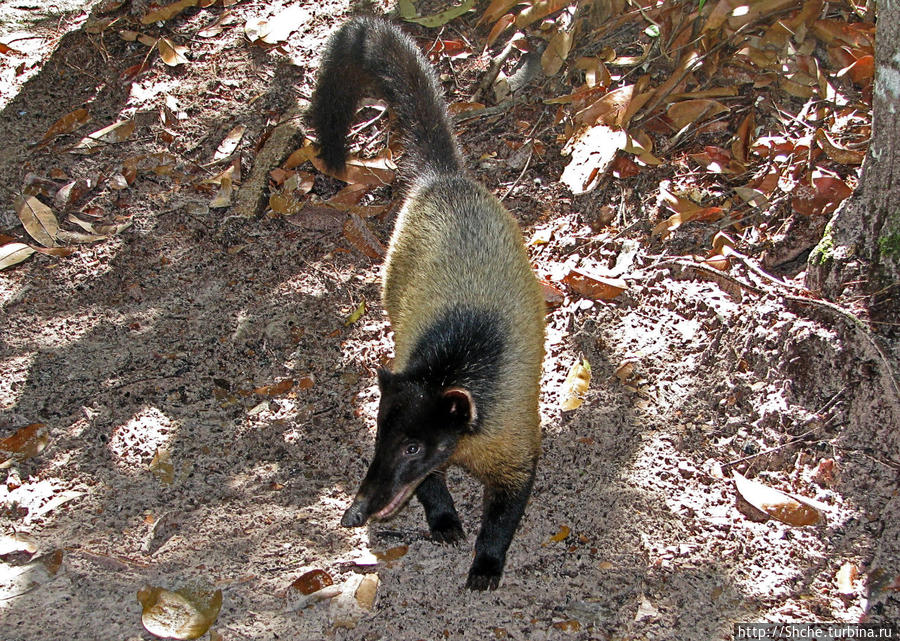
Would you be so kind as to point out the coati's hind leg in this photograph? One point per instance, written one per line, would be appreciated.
(443, 521)
(502, 512)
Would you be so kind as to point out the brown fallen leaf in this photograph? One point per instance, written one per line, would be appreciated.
(167, 12)
(67, 124)
(312, 581)
(357, 231)
(162, 467)
(277, 389)
(230, 143)
(788, 509)
(826, 193)
(592, 152)
(38, 219)
(186, 613)
(13, 254)
(561, 535)
(114, 133)
(836, 152)
(495, 10)
(366, 592)
(392, 554)
(688, 112)
(588, 283)
(557, 51)
(171, 53)
(26, 442)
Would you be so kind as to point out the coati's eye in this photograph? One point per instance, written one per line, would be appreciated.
(412, 449)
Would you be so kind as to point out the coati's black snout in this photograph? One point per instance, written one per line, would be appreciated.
(418, 430)
(355, 515)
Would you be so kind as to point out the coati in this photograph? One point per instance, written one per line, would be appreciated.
(465, 306)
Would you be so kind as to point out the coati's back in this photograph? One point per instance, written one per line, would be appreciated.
(466, 309)
(456, 251)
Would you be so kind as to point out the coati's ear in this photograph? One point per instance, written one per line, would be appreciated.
(460, 407)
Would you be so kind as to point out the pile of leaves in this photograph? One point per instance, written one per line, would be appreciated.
(752, 118)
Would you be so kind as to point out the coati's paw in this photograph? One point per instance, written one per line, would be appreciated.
(447, 529)
(484, 575)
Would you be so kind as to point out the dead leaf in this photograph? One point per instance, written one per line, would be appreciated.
(556, 52)
(366, 592)
(587, 282)
(279, 388)
(278, 28)
(25, 443)
(162, 467)
(392, 554)
(496, 9)
(408, 11)
(836, 152)
(845, 577)
(167, 12)
(688, 112)
(539, 9)
(67, 124)
(358, 171)
(307, 152)
(570, 625)
(789, 509)
(312, 581)
(826, 193)
(186, 613)
(38, 219)
(499, 27)
(171, 53)
(576, 385)
(609, 109)
(223, 195)
(13, 254)
(561, 535)
(114, 133)
(230, 143)
(357, 231)
(356, 314)
(216, 27)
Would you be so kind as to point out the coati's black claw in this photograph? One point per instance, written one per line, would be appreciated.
(484, 576)
(448, 529)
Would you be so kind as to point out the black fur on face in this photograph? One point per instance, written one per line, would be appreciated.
(419, 427)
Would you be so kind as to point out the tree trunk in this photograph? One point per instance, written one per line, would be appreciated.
(860, 250)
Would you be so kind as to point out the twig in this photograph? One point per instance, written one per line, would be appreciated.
(522, 173)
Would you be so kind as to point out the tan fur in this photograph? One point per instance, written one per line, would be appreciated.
(454, 244)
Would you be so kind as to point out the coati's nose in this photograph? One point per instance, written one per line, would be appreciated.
(355, 514)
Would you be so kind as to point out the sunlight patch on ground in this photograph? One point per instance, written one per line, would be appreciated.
(133, 444)
(52, 333)
(30, 28)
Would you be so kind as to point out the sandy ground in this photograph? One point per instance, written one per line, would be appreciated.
(161, 339)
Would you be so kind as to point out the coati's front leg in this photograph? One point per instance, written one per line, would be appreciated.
(443, 521)
(503, 509)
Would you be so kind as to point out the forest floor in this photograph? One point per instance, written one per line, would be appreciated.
(188, 403)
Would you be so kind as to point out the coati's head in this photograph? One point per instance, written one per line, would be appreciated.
(418, 429)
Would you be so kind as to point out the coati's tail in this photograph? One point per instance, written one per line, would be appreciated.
(370, 52)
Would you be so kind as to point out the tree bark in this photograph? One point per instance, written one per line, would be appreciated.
(860, 251)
